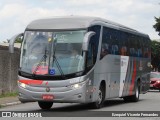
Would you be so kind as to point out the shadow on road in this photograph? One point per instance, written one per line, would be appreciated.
(84, 107)
(70, 108)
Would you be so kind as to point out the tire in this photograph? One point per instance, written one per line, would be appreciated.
(127, 99)
(101, 97)
(45, 105)
(135, 97)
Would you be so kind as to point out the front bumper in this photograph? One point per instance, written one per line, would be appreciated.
(64, 94)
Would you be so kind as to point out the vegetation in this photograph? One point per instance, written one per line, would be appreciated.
(9, 94)
(155, 54)
(157, 25)
(155, 47)
(18, 40)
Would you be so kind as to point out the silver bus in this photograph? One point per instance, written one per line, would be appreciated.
(81, 60)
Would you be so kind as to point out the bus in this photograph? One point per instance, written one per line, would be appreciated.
(80, 59)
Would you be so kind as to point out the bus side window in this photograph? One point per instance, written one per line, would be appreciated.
(90, 56)
(95, 39)
(131, 46)
(149, 48)
(139, 52)
(142, 46)
(104, 50)
(136, 46)
(145, 48)
(147, 51)
(105, 47)
(115, 48)
(114, 42)
(123, 44)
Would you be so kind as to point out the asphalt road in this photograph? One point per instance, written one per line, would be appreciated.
(147, 102)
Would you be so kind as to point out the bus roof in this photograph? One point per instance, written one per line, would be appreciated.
(74, 22)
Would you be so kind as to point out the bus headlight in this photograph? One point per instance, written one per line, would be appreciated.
(77, 85)
(22, 85)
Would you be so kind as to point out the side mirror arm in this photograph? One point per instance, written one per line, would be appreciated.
(11, 42)
(86, 40)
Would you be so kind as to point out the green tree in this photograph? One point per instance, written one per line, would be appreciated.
(157, 25)
(155, 55)
(18, 40)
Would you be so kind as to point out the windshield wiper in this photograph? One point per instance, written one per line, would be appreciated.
(40, 62)
(58, 66)
(55, 59)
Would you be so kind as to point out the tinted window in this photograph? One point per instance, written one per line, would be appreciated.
(114, 42)
(146, 48)
(110, 42)
(93, 45)
(139, 47)
(106, 43)
(90, 58)
(123, 44)
(132, 45)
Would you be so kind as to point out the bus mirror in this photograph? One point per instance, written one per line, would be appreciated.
(12, 40)
(86, 40)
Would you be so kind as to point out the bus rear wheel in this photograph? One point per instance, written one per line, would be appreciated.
(101, 97)
(45, 105)
(135, 97)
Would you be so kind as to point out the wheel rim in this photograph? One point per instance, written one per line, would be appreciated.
(137, 92)
(99, 97)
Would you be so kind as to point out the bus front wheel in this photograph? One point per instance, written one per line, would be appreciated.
(45, 105)
(101, 97)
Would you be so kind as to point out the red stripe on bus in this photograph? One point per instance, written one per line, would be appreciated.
(133, 78)
(47, 83)
(31, 82)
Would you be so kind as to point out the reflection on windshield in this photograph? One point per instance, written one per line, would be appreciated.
(40, 49)
(69, 57)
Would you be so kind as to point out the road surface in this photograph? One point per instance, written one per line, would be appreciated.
(147, 102)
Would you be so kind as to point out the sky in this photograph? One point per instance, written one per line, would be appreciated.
(15, 15)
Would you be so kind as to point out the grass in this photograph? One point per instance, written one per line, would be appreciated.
(9, 95)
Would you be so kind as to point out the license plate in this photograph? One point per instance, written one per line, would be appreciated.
(47, 97)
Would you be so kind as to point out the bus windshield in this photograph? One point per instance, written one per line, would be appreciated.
(52, 53)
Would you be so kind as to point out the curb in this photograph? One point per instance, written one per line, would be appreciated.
(10, 104)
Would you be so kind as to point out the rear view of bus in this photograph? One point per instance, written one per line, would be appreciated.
(60, 63)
